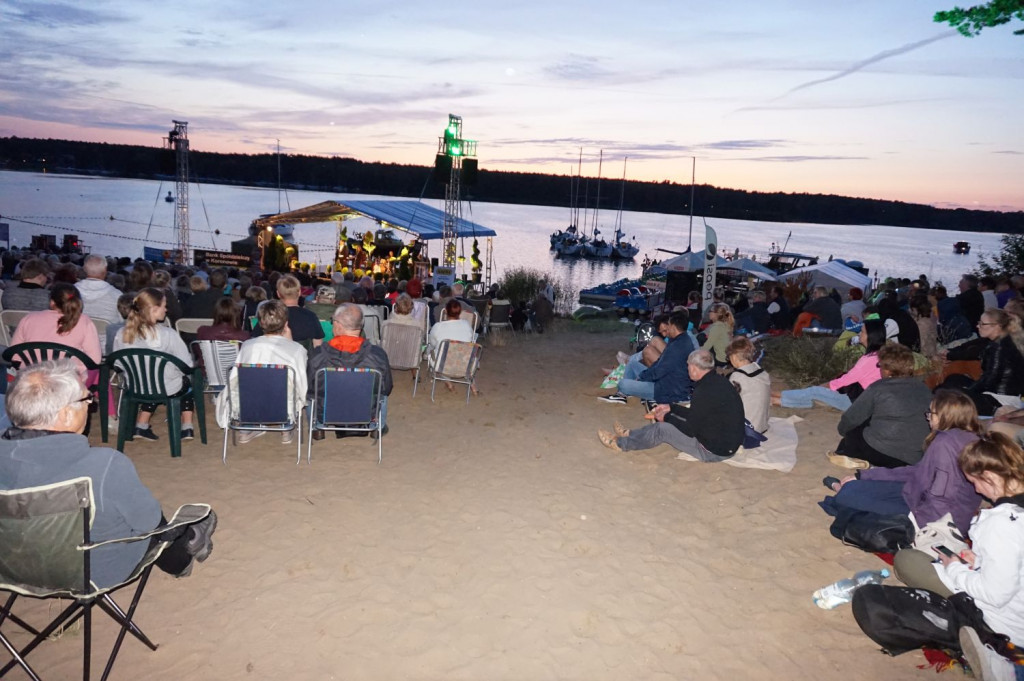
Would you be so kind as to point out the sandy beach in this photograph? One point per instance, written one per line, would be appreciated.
(498, 540)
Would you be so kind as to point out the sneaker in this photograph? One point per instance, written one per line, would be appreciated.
(609, 440)
(287, 437)
(617, 398)
(186, 434)
(200, 542)
(247, 436)
(648, 405)
(847, 462)
(622, 357)
(145, 434)
(987, 664)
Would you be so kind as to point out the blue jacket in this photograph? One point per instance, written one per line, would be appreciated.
(669, 374)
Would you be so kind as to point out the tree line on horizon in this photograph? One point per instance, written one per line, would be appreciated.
(348, 175)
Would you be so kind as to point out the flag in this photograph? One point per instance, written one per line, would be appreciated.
(710, 257)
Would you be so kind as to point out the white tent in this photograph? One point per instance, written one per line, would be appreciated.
(831, 275)
(690, 261)
(750, 267)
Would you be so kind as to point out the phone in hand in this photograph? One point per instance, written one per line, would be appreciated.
(946, 551)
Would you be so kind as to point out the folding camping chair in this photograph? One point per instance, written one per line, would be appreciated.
(262, 397)
(347, 400)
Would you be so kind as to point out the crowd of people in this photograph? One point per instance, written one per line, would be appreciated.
(933, 453)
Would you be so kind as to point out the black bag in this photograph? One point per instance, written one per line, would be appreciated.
(853, 391)
(873, 532)
(899, 619)
(752, 438)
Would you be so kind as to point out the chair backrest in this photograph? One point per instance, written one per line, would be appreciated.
(191, 324)
(101, 331)
(10, 320)
(42, 529)
(24, 354)
(500, 313)
(218, 358)
(481, 306)
(262, 393)
(404, 345)
(473, 318)
(457, 359)
(144, 371)
(371, 325)
(348, 396)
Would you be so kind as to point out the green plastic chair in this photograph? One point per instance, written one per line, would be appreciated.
(142, 373)
(24, 354)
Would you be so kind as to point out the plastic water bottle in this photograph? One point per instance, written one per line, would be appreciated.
(828, 597)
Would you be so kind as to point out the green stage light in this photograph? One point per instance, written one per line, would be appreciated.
(456, 150)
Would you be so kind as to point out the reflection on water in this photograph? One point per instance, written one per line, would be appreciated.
(38, 204)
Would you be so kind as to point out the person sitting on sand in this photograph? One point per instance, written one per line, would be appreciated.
(711, 429)
(49, 406)
(719, 333)
(884, 426)
(1002, 362)
(864, 373)
(820, 311)
(753, 383)
(666, 380)
(930, 488)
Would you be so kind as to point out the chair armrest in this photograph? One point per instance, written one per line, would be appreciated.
(185, 515)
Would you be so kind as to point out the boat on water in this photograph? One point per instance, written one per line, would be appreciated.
(962, 247)
(597, 247)
(169, 198)
(625, 295)
(570, 245)
(622, 249)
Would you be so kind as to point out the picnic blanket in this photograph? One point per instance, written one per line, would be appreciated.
(777, 453)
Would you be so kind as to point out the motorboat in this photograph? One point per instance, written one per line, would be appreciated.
(962, 247)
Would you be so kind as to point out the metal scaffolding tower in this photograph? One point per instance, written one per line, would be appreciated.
(177, 141)
(455, 148)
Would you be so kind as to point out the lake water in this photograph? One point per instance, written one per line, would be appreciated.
(120, 216)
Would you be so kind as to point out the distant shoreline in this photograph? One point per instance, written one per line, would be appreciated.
(347, 175)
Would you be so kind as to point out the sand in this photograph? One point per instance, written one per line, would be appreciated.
(498, 540)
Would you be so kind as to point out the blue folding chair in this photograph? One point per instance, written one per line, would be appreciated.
(261, 397)
(347, 400)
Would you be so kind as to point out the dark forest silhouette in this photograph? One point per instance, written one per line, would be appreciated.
(332, 174)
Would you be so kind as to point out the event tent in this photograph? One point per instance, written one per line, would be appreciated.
(689, 261)
(413, 217)
(831, 275)
(750, 267)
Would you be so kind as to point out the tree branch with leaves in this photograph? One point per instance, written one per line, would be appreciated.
(971, 21)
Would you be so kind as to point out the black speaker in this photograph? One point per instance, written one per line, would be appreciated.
(442, 168)
(433, 263)
(470, 171)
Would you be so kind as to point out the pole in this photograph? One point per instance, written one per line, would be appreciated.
(693, 181)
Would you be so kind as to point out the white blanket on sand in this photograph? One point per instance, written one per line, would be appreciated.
(778, 452)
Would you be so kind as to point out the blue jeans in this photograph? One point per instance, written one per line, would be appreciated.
(634, 388)
(634, 367)
(805, 399)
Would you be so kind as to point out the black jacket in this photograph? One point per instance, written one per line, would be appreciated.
(714, 417)
(369, 356)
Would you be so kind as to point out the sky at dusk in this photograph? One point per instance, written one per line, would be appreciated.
(864, 98)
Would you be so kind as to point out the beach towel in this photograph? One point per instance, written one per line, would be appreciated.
(777, 453)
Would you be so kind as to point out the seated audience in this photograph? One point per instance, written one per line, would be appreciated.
(885, 425)
(666, 379)
(349, 349)
(99, 297)
(323, 307)
(930, 488)
(144, 330)
(863, 374)
(719, 333)
(753, 383)
(227, 323)
(1002, 362)
(454, 328)
(63, 323)
(710, 429)
(49, 407)
(30, 293)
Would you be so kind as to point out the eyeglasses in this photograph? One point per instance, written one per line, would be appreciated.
(987, 324)
(88, 399)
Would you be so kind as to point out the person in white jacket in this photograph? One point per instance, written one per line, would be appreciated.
(100, 298)
(275, 346)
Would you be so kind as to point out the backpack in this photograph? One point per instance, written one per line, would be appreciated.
(900, 619)
(873, 532)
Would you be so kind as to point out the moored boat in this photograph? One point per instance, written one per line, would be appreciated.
(962, 247)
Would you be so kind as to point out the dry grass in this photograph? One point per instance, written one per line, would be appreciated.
(805, 361)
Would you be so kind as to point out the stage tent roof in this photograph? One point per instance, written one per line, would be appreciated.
(414, 217)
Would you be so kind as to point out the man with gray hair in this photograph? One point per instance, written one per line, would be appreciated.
(49, 407)
(710, 429)
(826, 310)
(99, 297)
(349, 349)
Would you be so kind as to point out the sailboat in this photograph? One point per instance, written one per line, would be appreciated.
(620, 248)
(596, 247)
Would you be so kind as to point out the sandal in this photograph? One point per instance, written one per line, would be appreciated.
(844, 461)
(609, 440)
(829, 482)
(621, 430)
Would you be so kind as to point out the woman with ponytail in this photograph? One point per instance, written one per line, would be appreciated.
(63, 323)
(1002, 362)
(144, 330)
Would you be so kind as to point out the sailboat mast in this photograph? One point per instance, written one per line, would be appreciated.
(597, 200)
(622, 199)
(693, 182)
(279, 176)
(579, 179)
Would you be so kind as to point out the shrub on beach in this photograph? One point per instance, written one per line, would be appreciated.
(804, 362)
(522, 284)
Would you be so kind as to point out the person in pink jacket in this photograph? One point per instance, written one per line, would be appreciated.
(63, 323)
